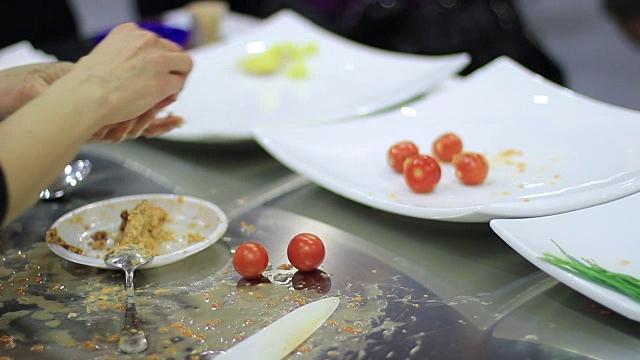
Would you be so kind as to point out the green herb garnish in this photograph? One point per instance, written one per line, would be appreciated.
(588, 269)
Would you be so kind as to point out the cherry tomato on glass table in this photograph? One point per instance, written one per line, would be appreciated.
(250, 260)
(399, 152)
(447, 146)
(306, 251)
(422, 173)
(471, 168)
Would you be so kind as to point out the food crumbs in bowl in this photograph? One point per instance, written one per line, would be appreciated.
(99, 240)
(194, 238)
(144, 227)
(52, 237)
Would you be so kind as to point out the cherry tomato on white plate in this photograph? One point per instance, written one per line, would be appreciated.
(471, 168)
(422, 173)
(399, 152)
(447, 146)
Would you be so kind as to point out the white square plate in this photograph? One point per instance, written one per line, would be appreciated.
(222, 103)
(550, 150)
(606, 234)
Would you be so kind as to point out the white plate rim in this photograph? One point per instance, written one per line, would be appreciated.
(388, 99)
(479, 213)
(508, 229)
(160, 260)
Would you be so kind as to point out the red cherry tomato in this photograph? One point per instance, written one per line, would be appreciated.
(422, 173)
(399, 152)
(305, 252)
(447, 146)
(471, 168)
(250, 260)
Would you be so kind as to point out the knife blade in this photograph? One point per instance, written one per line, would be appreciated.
(280, 338)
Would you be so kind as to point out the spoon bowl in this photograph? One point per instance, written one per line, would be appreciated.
(68, 180)
(128, 258)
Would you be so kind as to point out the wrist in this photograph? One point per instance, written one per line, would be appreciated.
(84, 94)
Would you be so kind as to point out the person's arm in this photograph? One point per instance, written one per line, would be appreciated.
(128, 74)
(20, 84)
(40, 138)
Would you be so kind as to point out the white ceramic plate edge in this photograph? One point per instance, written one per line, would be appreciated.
(600, 294)
(444, 67)
(626, 183)
(479, 213)
(161, 260)
(483, 74)
(467, 214)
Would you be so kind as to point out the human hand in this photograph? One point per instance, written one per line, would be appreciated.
(132, 71)
(148, 125)
(20, 84)
(126, 80)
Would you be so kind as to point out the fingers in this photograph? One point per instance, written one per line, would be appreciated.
(163, 125)
(141, 123)
(167, 101)
(143, 72)
(57, 70)
(35, 80)
(31, 88)
(147, 118)
(170, 45)
(173, 85)
(146, 125)
(181, 63)
(99, 135)
(118, 132)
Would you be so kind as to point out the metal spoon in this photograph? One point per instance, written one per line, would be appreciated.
(129, 258)
(70, 177)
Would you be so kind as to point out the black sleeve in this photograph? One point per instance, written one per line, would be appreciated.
(39, 21)
(259, 8)
(4, 197)
(151, 8)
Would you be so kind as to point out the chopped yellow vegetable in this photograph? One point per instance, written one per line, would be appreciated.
(298, 70)
(280, 56)
(265, 63)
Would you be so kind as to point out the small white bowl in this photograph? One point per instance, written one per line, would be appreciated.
(187, 215)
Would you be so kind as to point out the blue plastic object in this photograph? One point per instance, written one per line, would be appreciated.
(179, 36)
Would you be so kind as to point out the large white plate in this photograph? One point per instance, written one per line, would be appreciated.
(187, 215)
(22, 53)
(221, 103)
(606, 234)
(575, 151)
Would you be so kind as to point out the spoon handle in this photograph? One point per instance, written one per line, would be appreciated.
(132, 339)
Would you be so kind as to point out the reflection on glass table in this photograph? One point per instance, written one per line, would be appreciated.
(390, 307)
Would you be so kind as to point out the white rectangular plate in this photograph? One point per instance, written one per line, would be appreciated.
(222, 103)
(550, 150)
(606, 234)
